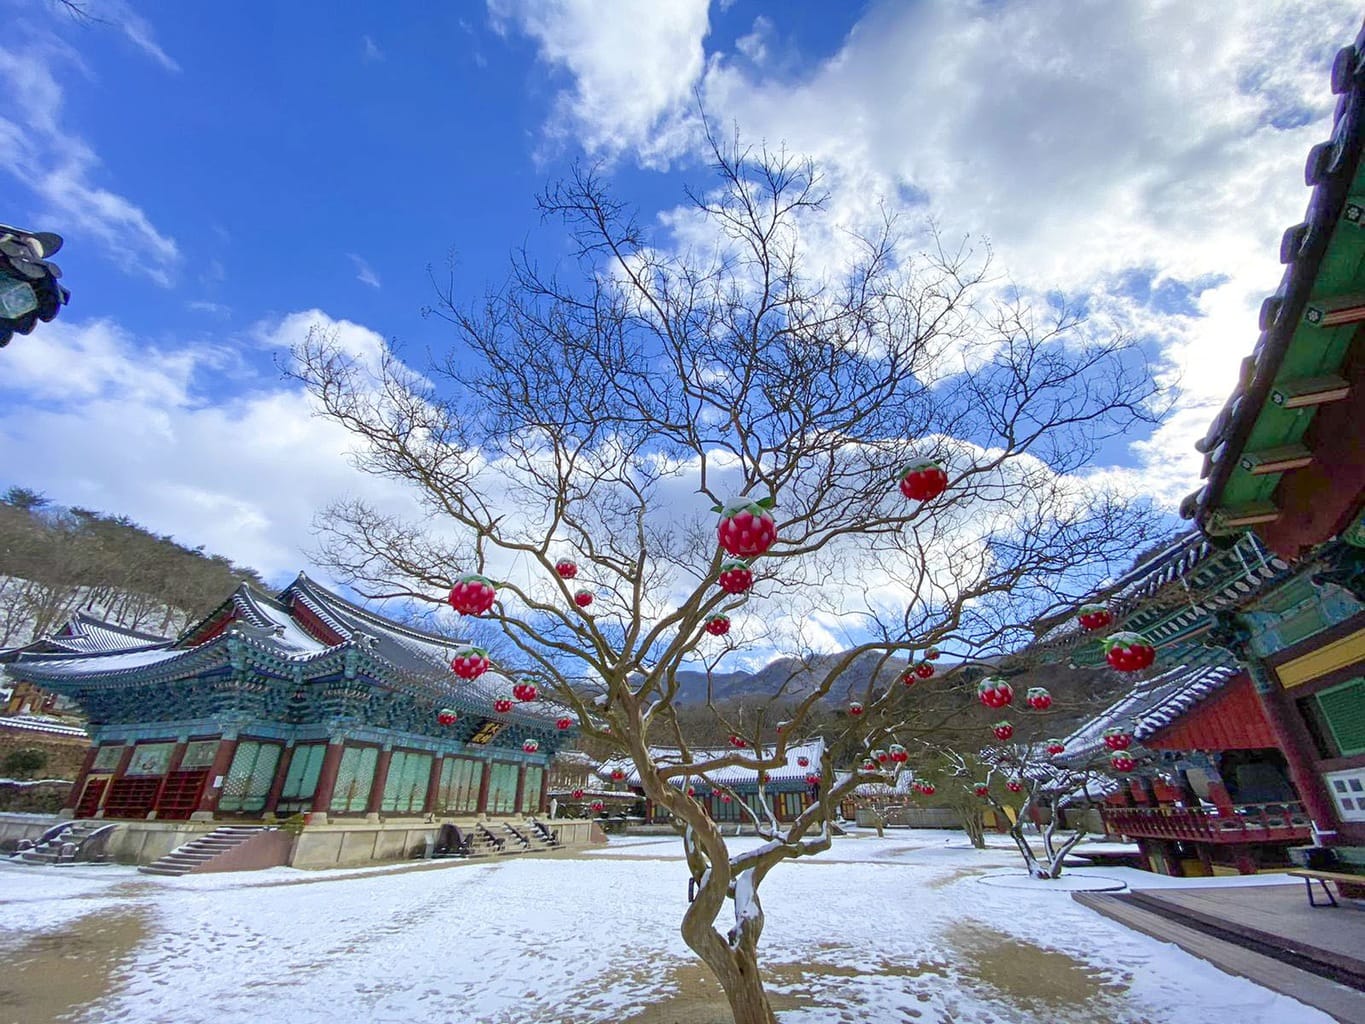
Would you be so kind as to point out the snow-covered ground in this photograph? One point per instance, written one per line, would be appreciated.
(895, 929)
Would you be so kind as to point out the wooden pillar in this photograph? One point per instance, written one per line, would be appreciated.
(327, 781)
(517, 807)
(1243, 860)
(213, 788)
(544, 791)
(381, 776)
(434, 784)
(78, 787)
(272, 798)
(482, 807)
(172, 765)
(1299, 753)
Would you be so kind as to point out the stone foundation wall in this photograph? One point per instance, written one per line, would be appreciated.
(64, 754)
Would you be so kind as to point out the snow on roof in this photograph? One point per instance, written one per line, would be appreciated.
(86, 633)
(736, 775)
(33, 723)
(1152, 704)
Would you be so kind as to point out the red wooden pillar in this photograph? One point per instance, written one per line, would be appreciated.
(272, 798)
(78, 787)
(517, 807)
(381, 777)
(1297, 746)
(544, 793)
(434, 784)
(482, 807)
(222, 761)
(327, 781)
(172, 765)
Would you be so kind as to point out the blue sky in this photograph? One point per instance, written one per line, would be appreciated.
(227, 175)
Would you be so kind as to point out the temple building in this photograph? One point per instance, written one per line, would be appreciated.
(302, 703)
(729, 794)
(1251, 723)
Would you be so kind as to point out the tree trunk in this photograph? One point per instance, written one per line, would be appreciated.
(737, 972)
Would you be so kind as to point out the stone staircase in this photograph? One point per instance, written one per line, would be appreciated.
(207, 853)
(80, 841)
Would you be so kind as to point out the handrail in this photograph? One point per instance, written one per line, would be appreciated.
(1245, 823)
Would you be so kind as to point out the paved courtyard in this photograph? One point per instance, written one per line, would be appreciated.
(899, 929)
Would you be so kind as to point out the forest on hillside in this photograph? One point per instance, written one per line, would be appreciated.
(55, 561)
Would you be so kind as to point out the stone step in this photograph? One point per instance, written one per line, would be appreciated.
(158, 869)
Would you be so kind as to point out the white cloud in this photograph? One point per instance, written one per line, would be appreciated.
(93, 416)
(363, 273)
(138, 31)
(633, 67)
(59, 168)
(370, 51)
(1103, 148)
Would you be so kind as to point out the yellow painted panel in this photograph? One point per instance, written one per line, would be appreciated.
(1316, 664)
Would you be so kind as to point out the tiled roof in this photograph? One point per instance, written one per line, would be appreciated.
(737, 775)
(32, 724)
(1152, 704)
(1197, 577)
(267, 626)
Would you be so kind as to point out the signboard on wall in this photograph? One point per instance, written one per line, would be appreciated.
(487, 731)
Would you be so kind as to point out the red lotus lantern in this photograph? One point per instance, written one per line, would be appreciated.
(691, 791)
(924, 670)
(1122, 761)
(525, 689)
(469, 662)
(617, 774)
(869, 765)
(746, 528)
(1003, 730)
(922, 479)
(502, 705)
(812, 779)
(567, 568)
(995, 693)
(1118, 739)
(931, 653)
(899, 754)
(1055, 747)
(855, 707)
(473, 594)
(735, 576)
(802, 761)
(530, 746)
(597, 806)
(927, 789)
(717, 625)
(881, 756)
(1014, 785)
(577, 794)
(1128, 652)
(1038, 698)
(582, 598)
(563, 722)
(447, 716)
(908, 677)
(738, 742)
(1094, 616)
(981, 789)
(725, 798)
(763, 777)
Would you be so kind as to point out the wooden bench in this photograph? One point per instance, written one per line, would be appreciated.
(1311, 875)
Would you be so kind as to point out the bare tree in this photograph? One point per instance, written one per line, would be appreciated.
(595, 416)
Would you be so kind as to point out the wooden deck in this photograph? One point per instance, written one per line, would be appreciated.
(1266, 933)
